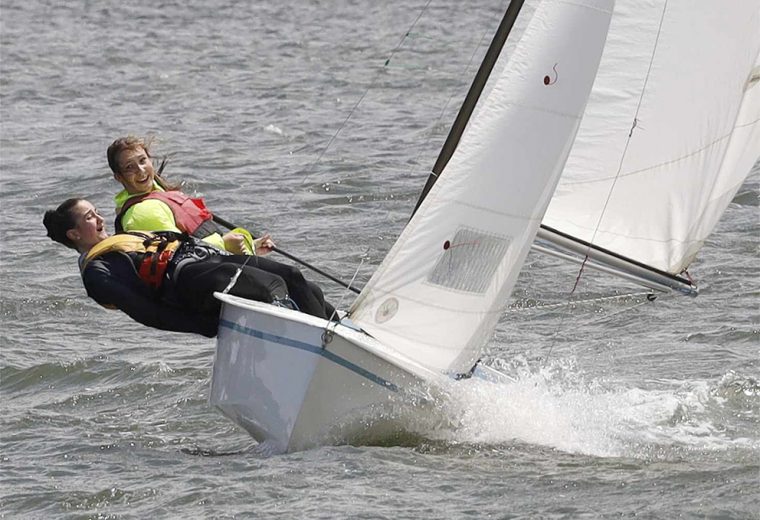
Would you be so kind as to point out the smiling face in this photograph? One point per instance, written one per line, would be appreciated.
(89, 228)
(136, 171)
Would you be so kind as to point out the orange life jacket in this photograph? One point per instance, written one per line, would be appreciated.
(190, 215)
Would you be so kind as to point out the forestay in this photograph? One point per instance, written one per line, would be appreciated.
(438, 294)
(671, 130)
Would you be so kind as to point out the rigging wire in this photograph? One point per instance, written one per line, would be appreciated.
(483, 38)
(634, 125)
(312, 166)
(646, 295)
(327, 333)
(314, 163)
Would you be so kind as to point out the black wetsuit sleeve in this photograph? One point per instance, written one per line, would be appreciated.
(112, 280)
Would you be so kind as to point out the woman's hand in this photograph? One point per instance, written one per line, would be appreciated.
(263, 245)
(235, 243)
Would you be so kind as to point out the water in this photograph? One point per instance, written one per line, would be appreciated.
(621, 407)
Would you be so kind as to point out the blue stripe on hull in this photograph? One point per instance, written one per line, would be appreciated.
(308, 347)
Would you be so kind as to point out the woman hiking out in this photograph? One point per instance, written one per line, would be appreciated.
(164, 280)
(148, 203)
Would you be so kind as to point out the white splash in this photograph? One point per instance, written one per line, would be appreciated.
(273, 129)
(555, 407)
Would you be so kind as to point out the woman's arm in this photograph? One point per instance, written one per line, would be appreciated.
(112, 281)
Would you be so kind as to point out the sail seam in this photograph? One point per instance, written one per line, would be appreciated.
(538, 108)
(584, 5)
(389, 292)
(490, 210)
(633, 126)
(666, 163)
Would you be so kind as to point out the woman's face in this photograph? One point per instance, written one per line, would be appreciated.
(135, 171)
(89, 228)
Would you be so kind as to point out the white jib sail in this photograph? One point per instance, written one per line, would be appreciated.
(439, 293)
(671, 130)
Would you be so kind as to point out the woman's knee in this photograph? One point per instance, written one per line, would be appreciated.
(293, 275)
(316, 290)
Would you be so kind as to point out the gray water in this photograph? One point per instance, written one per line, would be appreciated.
(621, 407)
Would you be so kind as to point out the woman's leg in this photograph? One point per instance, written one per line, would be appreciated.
(320, 296)
(197, 282)
(308, 299)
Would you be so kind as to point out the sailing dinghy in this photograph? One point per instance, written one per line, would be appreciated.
(424, 318)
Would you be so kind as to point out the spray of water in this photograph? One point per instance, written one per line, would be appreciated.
(557, 407)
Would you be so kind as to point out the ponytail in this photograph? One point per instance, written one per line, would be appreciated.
(58, 221)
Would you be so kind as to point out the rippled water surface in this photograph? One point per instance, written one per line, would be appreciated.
(286, 118)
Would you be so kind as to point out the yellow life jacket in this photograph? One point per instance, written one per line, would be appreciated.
(157, 250)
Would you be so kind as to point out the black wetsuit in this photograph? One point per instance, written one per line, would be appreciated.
(185, 301)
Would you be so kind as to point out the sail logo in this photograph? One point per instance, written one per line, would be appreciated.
(387, 310)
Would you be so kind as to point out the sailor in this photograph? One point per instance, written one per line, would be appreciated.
(148, 202)
(162, 280)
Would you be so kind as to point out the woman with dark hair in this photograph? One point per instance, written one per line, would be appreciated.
(147, 202)
(163, 280)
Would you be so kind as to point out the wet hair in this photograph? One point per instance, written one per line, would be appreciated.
(58, 221)
(131, 142)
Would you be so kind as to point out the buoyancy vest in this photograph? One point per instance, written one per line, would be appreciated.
(157, 251)
(190, 215)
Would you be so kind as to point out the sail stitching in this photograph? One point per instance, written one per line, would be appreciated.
(493, 211)
(388, 292)
(666, 163)
(584, 5)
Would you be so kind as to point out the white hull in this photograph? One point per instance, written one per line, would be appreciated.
(278, 375)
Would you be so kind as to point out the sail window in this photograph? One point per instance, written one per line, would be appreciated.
(469, 260)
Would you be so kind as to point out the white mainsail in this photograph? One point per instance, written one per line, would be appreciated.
(671, 130)
(438, 294)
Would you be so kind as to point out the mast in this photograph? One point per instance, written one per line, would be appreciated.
(478, 84)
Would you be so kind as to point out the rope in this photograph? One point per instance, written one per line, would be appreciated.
(327, 334)
(311, 167)
(483, 37)
(634, 125)
(353, 278)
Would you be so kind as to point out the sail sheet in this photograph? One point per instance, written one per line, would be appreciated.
(438, 294)
(671, 130)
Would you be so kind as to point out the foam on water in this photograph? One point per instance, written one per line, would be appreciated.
(557, 407)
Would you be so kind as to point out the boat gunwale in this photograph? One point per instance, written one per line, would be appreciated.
(354, 336)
